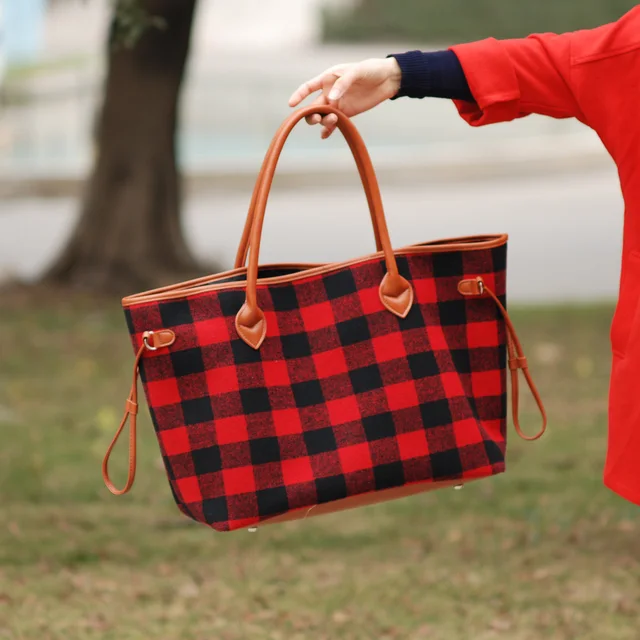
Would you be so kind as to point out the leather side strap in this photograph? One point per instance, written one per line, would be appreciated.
(152, 341)
(130, 412)
(516, 358)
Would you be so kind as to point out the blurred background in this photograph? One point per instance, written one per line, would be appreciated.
(97, 203)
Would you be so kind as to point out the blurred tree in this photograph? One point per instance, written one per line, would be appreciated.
(446, 21)
(129, 235)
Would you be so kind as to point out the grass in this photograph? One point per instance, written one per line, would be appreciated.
(434, 21)
(29, 70)
(543, 551)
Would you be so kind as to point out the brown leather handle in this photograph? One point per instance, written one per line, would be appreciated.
(243, 247)
(396, 293)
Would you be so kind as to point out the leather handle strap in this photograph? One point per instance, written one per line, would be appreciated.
(243, 247)
(396, 293)
(516, 358)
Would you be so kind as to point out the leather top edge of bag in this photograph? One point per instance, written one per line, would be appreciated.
(156, 334)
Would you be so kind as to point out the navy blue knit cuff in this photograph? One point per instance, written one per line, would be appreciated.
(436, 74)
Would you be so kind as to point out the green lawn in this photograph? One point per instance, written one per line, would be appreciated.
(544, 551)
(18, 72)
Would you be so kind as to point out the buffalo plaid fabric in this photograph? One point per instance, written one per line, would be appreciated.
(342, 398)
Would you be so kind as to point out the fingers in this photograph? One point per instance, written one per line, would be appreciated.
(329, 124)
(328, 121)
(315, 84)
(305, 90)
(342, 85)
(316, 118)
(334, 83)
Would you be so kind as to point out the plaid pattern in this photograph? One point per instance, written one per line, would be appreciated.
(342, 398)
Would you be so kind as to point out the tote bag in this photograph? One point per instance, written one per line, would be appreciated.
(284, 391)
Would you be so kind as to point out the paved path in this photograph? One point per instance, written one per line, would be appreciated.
(565, 230)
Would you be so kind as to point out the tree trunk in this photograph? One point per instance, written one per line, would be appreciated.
(129, 236)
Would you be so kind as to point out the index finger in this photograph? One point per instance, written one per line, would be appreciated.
(313, 85)
(306, 89)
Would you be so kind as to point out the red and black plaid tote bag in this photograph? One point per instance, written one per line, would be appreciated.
(288, 390)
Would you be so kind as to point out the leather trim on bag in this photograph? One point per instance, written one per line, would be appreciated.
(209, 283)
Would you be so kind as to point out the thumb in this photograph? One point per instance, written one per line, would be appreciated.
(342, 85)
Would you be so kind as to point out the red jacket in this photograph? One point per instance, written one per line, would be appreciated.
(593, 76)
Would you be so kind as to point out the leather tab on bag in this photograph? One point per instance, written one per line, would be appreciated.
(160, 339)
(474, 287)
(251, 325)
(396, 294)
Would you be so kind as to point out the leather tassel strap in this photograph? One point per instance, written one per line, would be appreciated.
(151, 341)
(516, 358)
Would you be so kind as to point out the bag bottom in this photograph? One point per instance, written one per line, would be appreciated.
(362, 500)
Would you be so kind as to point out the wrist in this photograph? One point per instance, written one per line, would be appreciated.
(394, 73)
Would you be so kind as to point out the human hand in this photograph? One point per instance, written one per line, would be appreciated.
(353, 88)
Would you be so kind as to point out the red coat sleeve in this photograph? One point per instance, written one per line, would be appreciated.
(544, 73)
(511, 79)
